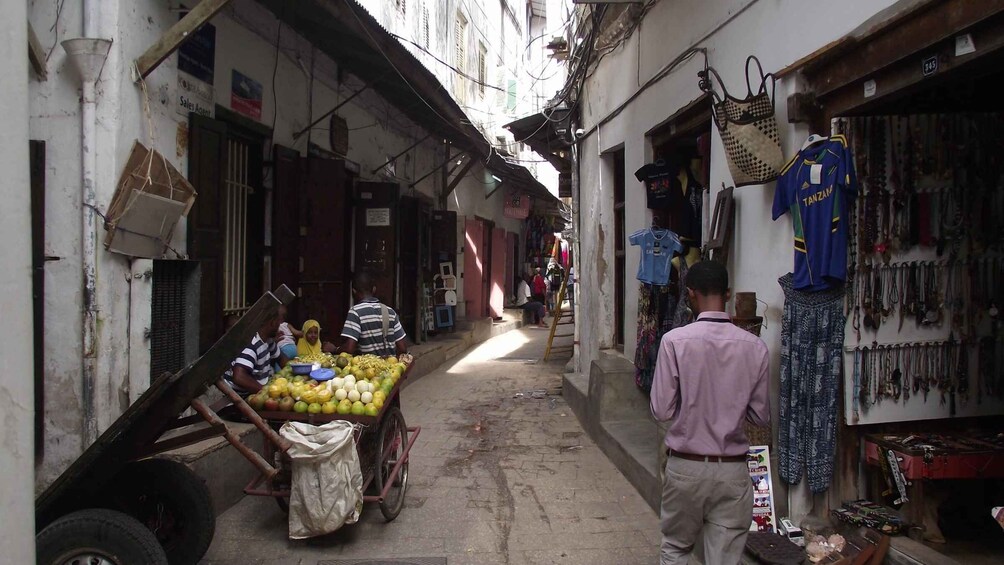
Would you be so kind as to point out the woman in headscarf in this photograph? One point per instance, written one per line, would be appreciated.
(310, 343)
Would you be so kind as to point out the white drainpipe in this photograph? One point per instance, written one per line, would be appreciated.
(88, 55)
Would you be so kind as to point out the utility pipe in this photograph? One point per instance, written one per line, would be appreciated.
(88, 56)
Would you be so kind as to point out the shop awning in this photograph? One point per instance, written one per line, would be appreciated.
(541, 134)
(517, 177)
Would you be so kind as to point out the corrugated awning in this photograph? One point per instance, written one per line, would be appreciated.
(517, 177)
(540, 133)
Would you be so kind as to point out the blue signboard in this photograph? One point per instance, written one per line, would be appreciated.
(197, 55)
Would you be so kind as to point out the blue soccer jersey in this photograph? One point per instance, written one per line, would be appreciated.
(657, 250)
(818, 188)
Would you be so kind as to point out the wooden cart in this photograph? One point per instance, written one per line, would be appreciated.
(382, 441)
(116, 504)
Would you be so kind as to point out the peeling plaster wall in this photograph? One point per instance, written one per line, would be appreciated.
(17, 543)
(245, 40)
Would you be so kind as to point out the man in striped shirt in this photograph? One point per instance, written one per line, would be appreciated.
(372, 327)
(253, 366)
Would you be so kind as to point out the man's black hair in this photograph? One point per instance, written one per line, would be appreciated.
(708, 278)
(363, 282)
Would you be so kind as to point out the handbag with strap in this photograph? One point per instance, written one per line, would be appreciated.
(748, 127)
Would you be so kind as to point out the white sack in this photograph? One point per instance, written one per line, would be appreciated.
(327, 488)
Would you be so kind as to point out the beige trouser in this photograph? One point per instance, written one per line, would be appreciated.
(712, 502)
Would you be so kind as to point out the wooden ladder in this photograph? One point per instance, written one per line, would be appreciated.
(557, 321)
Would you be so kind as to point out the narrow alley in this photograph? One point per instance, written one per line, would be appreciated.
(499, 475)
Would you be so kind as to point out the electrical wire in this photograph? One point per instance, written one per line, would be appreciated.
(275, 70)
(55, 29)
(362, 25)
(447, 65)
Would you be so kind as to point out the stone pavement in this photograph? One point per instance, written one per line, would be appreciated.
(496, 477)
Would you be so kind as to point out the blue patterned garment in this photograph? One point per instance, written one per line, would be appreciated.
(812, 342)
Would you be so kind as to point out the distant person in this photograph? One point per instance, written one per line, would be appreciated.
(710, 375)
(539, 286)
(370, 326)
(524, 299)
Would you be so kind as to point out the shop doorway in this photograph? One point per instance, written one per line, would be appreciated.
(496, 297)
(922, 130)
(477, 267)
(227, 223)
(413, 262)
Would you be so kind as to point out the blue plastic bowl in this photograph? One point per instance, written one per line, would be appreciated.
(322, 375)
(301, 368)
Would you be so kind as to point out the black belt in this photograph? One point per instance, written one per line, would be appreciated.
(706, 458)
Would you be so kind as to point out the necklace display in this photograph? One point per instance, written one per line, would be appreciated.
(926, 246)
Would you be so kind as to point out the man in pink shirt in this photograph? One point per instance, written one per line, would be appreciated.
(710, 375)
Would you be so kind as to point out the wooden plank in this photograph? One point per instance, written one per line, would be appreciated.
(147, 418)
(183, 440)
(459, 176)
(908, 73)
(36, 53)
(915, 34)
(179, 32)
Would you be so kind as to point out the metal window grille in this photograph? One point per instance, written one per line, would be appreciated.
(425, 27)
(168, 316)
(460, 40)
(482, 71)
(235, 202)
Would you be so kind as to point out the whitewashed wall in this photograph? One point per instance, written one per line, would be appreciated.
(779, 32)
(245, 40)
(17, 543)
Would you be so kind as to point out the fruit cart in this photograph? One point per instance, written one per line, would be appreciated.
(383, 443)
(119, 504)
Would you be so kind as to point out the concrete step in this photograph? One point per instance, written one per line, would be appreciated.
(633, 447)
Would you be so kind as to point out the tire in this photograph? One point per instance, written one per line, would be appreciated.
(173, 502)
(100, 536)
(391, 445)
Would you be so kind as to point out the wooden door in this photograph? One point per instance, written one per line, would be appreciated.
(496, 300)
(511, 272)
(324, 240)
(410, 226)
(286, 227)
(206, 161)
(475, 271)
(376, 234)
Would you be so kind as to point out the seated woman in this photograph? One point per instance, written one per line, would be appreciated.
(310, 343)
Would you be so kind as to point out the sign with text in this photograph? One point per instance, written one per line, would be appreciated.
(194, 96)
(245, 95)
(378, 216)
(197, 55)
(764, 516)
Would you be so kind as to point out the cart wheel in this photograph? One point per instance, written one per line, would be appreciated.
(393, 440)
(173, 502)
(98, 537)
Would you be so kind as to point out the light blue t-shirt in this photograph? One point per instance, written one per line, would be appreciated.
(657, 250)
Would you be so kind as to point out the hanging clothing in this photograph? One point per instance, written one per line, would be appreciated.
(657, 249)
(812, 342)
(660, 309)
(304, 347)
(681, 202)
(656, 307)
(818, 188)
